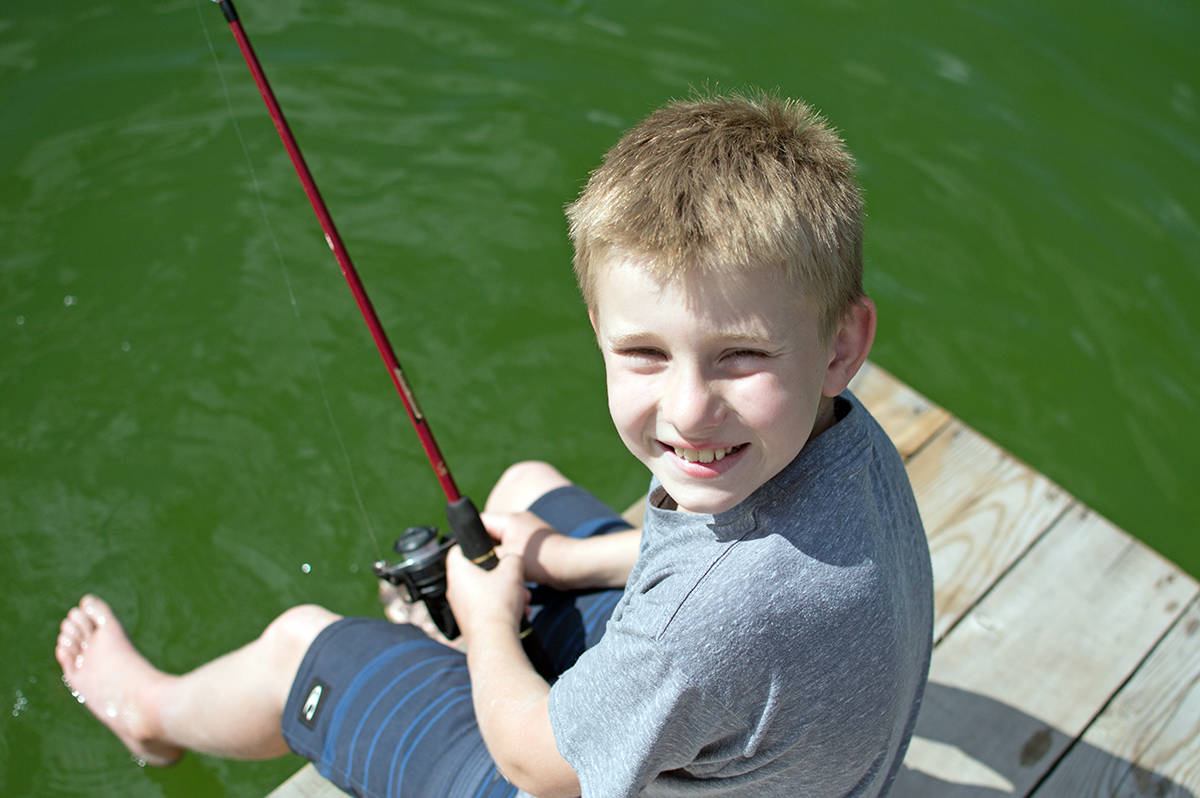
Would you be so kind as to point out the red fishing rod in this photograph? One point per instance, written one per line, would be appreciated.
(423, 555)
(436, 460)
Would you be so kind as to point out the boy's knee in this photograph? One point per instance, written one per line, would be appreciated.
(521, 484)
(294, 630)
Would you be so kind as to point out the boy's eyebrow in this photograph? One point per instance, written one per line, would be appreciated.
(622, 340)
(625, 340)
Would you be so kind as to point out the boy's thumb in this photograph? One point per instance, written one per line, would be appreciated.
(494, 523)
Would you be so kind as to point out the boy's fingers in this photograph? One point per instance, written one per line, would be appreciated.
(501, 527)
(509, 561)
(494, 523)
(453, 556)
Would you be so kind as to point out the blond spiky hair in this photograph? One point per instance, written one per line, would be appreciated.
(724, 184)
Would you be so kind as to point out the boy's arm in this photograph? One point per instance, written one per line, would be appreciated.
(510, 698)
(562, 562)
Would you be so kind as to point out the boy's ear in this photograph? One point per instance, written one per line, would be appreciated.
(850, 346)
(592, 318)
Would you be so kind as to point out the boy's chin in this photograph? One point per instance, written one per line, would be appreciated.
(690, 499)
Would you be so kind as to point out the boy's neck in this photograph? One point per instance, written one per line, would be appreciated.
(825, 417)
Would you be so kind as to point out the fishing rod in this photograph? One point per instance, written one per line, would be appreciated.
(422, 571)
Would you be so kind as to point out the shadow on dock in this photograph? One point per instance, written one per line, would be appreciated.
(1049, 764)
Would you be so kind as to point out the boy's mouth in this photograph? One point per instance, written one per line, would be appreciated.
(706, 455)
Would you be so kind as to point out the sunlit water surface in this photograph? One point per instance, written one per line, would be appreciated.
(195, 425)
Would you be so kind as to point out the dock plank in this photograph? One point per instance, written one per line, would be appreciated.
(908, 417)
(306, 783)
(1147, 741)
(982, 509)
(1014, 684)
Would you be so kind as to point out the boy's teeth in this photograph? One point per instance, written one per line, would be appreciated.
(702, 455)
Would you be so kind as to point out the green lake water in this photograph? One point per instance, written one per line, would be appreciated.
(194, 422)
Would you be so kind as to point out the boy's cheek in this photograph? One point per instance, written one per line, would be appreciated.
(632, 383)
(634, 423)
(626, 396)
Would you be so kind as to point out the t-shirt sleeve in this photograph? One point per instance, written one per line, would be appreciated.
(626, 712)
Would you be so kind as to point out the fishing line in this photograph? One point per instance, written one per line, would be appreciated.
(287, 280)
(466, 527)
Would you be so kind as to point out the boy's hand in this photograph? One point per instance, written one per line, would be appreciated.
(556, 560)
(479, 598)
(510, 698)
(531, 539)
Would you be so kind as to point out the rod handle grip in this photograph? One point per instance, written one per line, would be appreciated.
(467, 528)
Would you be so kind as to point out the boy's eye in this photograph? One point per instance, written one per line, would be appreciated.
(746, 354)
(642, 353)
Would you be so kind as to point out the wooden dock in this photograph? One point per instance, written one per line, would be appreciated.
(1067, 654)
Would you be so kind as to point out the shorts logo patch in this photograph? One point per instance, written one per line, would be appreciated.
(317, 693)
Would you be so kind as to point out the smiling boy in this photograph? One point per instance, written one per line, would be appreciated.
(766, 633)
(774, 634)
(715, 388)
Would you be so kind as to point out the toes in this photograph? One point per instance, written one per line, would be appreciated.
(95, 609)
(62, 647)
(68, 628)
(83, 624)
(67, 653)
(67, 638)
(73, 634)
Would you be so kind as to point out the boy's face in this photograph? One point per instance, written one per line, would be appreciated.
(715, 385)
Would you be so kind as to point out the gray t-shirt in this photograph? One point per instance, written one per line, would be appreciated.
(777, 649)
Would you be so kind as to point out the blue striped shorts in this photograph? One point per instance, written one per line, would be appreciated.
(382, 710)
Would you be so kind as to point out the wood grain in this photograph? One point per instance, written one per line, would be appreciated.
(1147, 741)
(982, 509)
(1021, 677)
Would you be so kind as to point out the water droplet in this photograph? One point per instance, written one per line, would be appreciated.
(68, 300)
(125, 347)
(20, 321)
(305, 567)
(137, 760)
(20, 705)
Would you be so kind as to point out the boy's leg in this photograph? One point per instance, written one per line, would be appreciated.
(381, 709)
(521, 485)
(229, 707)
(393, 716)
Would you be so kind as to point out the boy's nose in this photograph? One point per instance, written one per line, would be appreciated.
(691, 403)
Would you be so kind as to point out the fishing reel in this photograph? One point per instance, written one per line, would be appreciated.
(422, 573)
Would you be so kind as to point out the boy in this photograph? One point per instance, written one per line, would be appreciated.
(773, 634)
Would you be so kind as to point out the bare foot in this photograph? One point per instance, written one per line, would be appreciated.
(108, 676)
